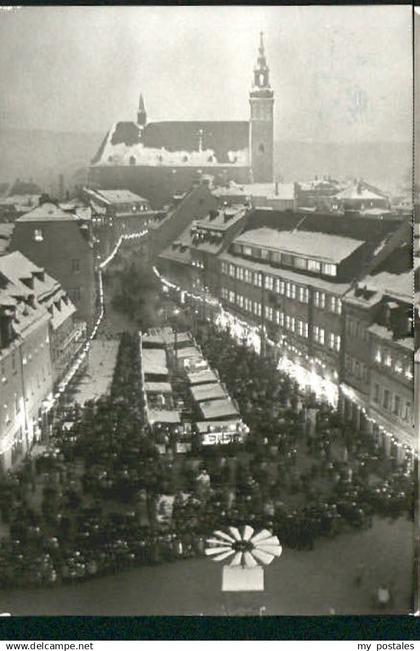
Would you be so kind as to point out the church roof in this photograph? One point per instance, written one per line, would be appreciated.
(197, 143)
(221, 137)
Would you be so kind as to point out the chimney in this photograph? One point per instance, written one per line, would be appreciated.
(276, 188)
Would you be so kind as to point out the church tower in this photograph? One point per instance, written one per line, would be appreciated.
(261, 100)
(141, 113)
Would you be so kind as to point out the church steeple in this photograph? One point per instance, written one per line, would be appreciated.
(141, 113)
(261, 100)
(261, 70)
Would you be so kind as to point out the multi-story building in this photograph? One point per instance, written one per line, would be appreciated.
(60, 241)
(192, 259)
(66, 336)
(25, 360)
(290, 284)
(377, 384)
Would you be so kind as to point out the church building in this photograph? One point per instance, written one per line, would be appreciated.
(158, 160)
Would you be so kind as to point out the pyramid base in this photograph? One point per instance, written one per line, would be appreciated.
(238, 579)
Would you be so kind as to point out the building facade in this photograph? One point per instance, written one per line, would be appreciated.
(61, 242)
(25, 361)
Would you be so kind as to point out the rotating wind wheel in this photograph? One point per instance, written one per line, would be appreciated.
(243, 548)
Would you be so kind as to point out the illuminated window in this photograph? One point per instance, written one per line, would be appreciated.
(303, 294)
(329, 269)
(388, 360)
(231, 296)
(232, 270)
(302, 329)
(269, 282)
(335, 305)
(224, 268)
(257, 279)
(334, 341)
(319, 335)
(269, 313)
(38, 235)
(378, 356)
(291, 290)
(314, 266)
(319, 299)
(240, 273)
(247, 276)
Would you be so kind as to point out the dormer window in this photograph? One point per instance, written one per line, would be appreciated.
(38, 235)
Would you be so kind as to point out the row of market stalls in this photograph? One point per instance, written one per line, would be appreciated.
(184, 398)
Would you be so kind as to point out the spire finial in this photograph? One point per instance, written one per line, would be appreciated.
(262, 41)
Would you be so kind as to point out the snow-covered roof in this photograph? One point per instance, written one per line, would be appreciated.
(48, 212)
(222, 408)
(120, 196)
(323, 246)
(164, 416)
(212, 391)
(154, 361)
(221, 219)
(202, 377)
(157, 387)
(384, 333)
(271, 191)
(50, 301)
(359, 191)
(189, 352)
(183, 144)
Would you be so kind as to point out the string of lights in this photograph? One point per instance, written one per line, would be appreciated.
(85, 349)
(284, 344)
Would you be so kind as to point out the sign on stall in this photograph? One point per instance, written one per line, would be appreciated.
(217, 438)
(161, 448)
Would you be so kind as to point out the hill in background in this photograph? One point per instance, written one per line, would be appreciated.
(42, 155)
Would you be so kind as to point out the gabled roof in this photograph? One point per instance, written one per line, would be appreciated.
(197, 144)
(48, 212)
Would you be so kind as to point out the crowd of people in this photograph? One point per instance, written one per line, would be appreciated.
(92, 504)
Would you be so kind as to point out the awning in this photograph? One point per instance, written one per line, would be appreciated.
(204, 392)
(157, 387)
(217, 409)
(164, 416)
(202, 377)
